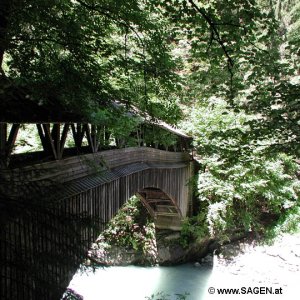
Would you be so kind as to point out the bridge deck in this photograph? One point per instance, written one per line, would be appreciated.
(82, 165)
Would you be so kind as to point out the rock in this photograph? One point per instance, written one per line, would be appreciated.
(269, 264)
(174, 236)
(177, 253)
(163, 255)
(167, 250)
(208, 260)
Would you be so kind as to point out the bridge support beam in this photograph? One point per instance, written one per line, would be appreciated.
(164, 211)
(53, 141)
(7, 142)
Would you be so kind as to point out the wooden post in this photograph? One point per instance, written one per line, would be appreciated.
(59, 140)
(49, 139)
(92, 134)
(106, 135)
(63, 139)
(78, 134)
(42, 137)
(53, 142)
(94, 137)
(7, 144)
(12, 139)
(55, 137)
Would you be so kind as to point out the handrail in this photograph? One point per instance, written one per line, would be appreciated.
(82, 165)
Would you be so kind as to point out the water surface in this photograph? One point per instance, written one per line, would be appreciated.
(136, 283)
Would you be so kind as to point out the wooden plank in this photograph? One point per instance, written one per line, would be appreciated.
(63, 140)
(158, 200)
(48, 138)
(55, 134)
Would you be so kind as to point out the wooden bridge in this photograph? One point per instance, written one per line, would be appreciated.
(55, 203)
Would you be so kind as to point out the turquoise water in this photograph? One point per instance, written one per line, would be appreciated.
(137, 283)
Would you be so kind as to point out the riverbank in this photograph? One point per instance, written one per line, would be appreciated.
(274, 264)
(249, 264)
(244, 263)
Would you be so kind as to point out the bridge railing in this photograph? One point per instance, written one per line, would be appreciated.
(76, 167)
(85, 138)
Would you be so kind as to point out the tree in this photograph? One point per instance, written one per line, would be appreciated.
(237, 51)
(84, 54)
(243, 113)
(239, 187)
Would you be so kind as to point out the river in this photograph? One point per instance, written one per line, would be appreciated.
(137, 283)
(257, 270)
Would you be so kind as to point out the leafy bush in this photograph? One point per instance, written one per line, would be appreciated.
(242, 185)
(132, 229)
(71, 295)
(248, 195)
(194, 228)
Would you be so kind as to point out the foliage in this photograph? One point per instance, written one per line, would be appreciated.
(121, 124)
(111, 50)
(287, 223)
(237, 51)
(158, 54)
(28, 139)
(156, 136)
(248, 195)
(71, 295)
(194, 228)
(239, 186)
(218, 130)
(131, 229)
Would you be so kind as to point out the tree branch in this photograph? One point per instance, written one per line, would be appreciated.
(45, 39)
(217, 35)
(107, 14)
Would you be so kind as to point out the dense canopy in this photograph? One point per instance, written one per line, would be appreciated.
(79, 55)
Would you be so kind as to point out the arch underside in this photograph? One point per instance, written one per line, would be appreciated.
(161, 207)
(163, 191)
